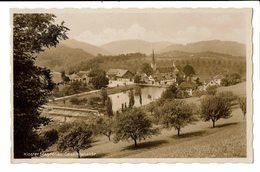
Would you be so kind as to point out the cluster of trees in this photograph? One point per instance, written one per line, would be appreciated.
(124, 61)
(98, 78)
(232, 79)
(70, 88)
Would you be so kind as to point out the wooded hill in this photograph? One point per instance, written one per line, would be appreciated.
(62, 57)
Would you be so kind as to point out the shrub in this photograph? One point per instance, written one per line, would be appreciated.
(74, 100)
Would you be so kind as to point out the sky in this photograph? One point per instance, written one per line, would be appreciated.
(101, 26)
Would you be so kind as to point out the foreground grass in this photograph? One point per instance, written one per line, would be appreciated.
(227, 140)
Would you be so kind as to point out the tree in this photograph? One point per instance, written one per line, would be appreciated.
(75, 136)
(105, 125)
(131, 98)
(170, 93)
(109, 107)
(177, 114)
(75, 85)
(51, 137)
(211, 90)
(188, 70)
(32, 84)
(198, 93)
(242, 105)
(234, 79)
(215, 107)
(146, 68)
(133, 124)
(137, 79)
(104, 95)
(99, 78)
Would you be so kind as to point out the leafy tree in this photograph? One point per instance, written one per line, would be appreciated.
(137, 79)
(170, 93)
(177, 114)
(146, 68)
(211, 90)
(133, 124)
(188, 70)
(105, 125)
(224, 82)
(131, 98)
(32, 84)
(100, 81)
(104, 95)
(215, 107)
(75, 86)
(242, 105)
(75, 136)
(198, 93)
(109, 107)
(234, 79)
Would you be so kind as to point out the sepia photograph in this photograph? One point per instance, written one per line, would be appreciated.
(131, 85)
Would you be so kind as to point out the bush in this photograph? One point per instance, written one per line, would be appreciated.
(74, 100)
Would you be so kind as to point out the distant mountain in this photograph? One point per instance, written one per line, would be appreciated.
(134, 45)
(61, 57)
(225, 47)
(89, 48)
(202, 55)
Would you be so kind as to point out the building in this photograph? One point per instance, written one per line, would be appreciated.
(188, 87)
(84, 75)
(74, 77)
(119, 75)
(163, 69)
(215, 81)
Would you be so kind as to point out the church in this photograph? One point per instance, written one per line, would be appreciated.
(163, 69)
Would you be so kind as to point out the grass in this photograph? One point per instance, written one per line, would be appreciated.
(238, 89)
(226, 140)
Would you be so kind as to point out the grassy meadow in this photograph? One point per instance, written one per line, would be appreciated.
(226, 140)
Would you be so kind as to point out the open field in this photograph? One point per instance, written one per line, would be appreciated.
(238, 89)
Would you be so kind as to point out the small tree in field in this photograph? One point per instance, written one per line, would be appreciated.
(242, 105)
(104, 125)
(215, 107)
(211, 90)
(133, 124)
(75, 136)
(177, 114)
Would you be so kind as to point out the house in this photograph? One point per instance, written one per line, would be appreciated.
(215, 81)
(74, 77)
(84, 75)
(188, 87)
(218, 78)
(144, 78)
(119, 75)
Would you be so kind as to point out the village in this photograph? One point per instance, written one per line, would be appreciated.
(162, 77)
